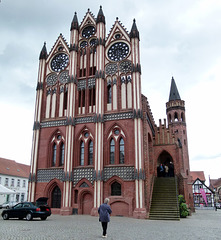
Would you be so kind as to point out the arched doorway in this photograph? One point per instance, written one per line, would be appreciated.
(56, 198)
(165, 166)
(87, 203)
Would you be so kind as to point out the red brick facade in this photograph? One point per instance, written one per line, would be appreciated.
(94, 133)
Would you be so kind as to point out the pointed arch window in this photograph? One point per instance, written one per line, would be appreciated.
(170, 119)
(109, 93)
(121, 152)
(54, 155)
(65, 99)
(116, 189)
(112, 151)
(62, 154)
(182, 117)
(176, 117)
(86, 149)
(90, 153)
(82, 154)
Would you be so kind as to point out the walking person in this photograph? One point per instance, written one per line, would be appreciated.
(104, 212)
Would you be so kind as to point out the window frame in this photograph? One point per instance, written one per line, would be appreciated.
(116, 137)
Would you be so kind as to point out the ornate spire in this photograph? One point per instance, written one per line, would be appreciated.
(100, 16)
(43, 54)
(74, 24)
(134, 33)
(174, 94)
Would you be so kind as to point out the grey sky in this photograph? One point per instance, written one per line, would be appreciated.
(177, 38)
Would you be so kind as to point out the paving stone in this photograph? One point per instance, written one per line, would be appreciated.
(204, 224)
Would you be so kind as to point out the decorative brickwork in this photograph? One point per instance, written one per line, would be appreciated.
(46, 175)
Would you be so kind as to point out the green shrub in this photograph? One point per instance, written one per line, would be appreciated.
(183, 207)
(181, 199)
(183, 210)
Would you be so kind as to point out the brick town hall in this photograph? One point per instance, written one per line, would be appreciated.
(94, 135)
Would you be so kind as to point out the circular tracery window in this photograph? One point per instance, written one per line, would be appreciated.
(86, 134)
(88, 31)
(118, 51)
(51, 79)
(83, 44)
(59, 62)
(116, 131)
(63, 77)
(125, 66)
(111, 68)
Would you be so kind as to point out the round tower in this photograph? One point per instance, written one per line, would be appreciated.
(175, 108)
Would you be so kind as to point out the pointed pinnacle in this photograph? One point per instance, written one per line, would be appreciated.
(43, 54)
(174, 94)
(100, 16)
(74, 23)
(134, 33)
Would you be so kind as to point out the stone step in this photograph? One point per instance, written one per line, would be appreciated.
(164, 200)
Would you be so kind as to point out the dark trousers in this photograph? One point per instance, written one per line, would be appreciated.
(104, 226)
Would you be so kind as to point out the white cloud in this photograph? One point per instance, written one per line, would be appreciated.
(178, 38)
(16, 132)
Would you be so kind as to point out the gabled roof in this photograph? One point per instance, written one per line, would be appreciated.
(174, 94)
(203, 184)
(60, 41)
(12, 168)
(197, 174)
(214, 183)
(89, 17)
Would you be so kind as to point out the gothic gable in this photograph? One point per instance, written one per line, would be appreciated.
(60, 45)
(88, 19)
(117, 32)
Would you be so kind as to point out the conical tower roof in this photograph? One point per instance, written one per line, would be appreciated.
(43, 54)
(100, 16)
(174, 94)
(134, 33)
(74, 23)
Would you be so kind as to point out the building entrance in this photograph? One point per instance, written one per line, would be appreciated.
(165, 166)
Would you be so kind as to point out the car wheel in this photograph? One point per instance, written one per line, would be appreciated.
(5, 216)
(43, 218)
(28, 217)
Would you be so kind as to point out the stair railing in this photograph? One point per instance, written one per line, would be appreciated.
(177, 195)
(151, 187)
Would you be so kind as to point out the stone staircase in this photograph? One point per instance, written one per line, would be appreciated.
(164, 205)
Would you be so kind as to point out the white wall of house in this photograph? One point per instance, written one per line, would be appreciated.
(18, 184)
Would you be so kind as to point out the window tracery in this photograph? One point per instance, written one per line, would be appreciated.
(57, 150)
(116, 147)
(86, 149)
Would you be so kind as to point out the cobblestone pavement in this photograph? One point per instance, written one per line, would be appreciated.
(204, 224)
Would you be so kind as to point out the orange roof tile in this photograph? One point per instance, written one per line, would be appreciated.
(12, 168)
(197, 174)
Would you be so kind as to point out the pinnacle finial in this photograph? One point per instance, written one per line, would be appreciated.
(100, 16)
(43, 53)
(134, 33)
(74, 23)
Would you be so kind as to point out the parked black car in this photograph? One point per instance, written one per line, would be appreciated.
(29, 210)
